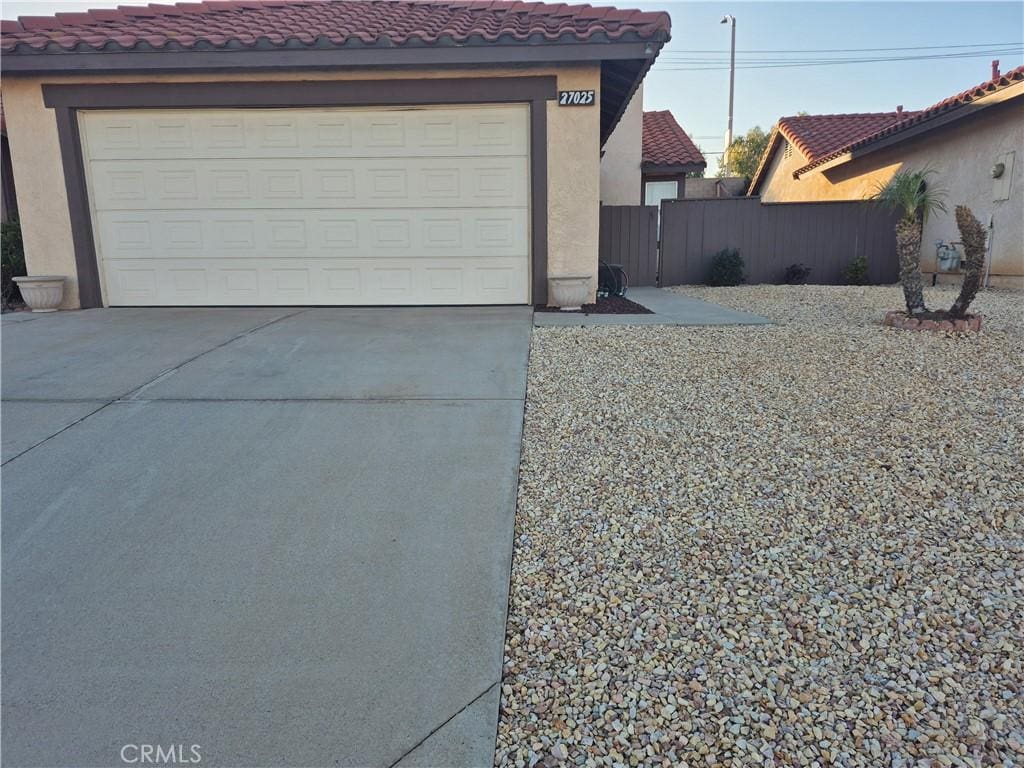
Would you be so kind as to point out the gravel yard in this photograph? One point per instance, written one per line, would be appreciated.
(799, 544)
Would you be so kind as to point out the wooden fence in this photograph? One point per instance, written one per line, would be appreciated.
(629, 236)
(824, 236)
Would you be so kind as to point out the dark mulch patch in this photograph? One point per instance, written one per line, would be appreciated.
(606, 305)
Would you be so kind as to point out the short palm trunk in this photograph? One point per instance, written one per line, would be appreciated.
(908, 247)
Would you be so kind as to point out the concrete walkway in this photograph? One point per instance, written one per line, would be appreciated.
(669, 308)
(281, 535)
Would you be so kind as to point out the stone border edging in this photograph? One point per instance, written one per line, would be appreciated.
(896, 319)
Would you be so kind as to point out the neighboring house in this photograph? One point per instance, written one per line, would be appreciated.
(9, 201)
(797, 141)
(668, 156)
(622, 155)
(647, 158)
(972, 140)
(318, 152)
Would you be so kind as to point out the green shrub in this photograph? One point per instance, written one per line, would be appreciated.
(856, 272)
(12, 260)
(796, 274)
(726, 268)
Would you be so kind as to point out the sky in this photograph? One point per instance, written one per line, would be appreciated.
(699, 99)
(691, 74)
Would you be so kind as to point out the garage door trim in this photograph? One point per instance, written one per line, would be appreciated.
(67, 99)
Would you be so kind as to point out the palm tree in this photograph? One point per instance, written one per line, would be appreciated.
(972, 235)
(909, 194)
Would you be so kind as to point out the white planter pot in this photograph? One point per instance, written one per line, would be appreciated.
(42, 293)
(568, 293)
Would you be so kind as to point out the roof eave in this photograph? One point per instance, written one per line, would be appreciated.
(630, 54)
(762, 167)
(673, 168)
(841, 159)
(177, 59)
(651, 49)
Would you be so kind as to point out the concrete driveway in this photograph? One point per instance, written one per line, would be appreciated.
(282, 536)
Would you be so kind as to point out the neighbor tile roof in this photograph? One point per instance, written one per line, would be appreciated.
(817, 135)
(666, 143)
(911, 119)
(327, 23)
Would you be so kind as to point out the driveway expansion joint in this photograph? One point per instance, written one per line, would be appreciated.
(32, 316)
(164, 374)
(58, 432)
(55, 400)
(141, 387)
(462, 709)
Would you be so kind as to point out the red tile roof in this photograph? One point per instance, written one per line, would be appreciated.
(327, 23)
(911, 119)
(817, 135)
(666, 143)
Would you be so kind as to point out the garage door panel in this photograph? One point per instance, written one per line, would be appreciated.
(423, 233)
(293, 206)
(294, 183)
(299, 133)
(164, 282)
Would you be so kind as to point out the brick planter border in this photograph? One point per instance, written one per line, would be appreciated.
(897, 319)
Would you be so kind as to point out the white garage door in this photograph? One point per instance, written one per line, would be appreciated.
(310, 206)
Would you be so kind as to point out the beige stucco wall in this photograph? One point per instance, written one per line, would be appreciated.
(962, 154)
(779, 186)
(623, 152)
(573, 162)
(39, 178)
(574, 180)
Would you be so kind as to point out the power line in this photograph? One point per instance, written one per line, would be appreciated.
(827, 62)
(851, 50)
(801, 60)
(674, 65)
(818, 60)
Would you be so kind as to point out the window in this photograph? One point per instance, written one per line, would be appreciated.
(656, 191)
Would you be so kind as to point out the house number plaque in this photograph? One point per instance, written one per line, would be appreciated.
(575, 98)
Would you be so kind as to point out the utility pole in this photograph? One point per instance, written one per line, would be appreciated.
(730, 20)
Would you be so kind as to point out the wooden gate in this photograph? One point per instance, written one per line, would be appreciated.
(629, 237)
